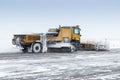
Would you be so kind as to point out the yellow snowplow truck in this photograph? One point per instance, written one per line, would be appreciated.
(65, 38)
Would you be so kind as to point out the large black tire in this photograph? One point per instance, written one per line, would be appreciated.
(37, 48)
(25, 50)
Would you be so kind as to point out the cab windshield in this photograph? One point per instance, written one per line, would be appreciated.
(76, 30)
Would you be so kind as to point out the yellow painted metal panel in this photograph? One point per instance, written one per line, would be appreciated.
(31, 38)
(64, 33)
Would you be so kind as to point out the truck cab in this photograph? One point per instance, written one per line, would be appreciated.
(64, 36)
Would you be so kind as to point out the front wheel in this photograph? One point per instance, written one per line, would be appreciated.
(36, 48)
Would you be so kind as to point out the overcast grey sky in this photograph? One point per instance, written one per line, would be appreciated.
(98, 19)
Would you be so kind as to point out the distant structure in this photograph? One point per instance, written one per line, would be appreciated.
(106, 44)
(114, 43)
(95, 45)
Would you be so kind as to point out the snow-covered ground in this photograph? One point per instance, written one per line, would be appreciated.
(82, 65)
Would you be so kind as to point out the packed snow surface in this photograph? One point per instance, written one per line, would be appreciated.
(81, 65)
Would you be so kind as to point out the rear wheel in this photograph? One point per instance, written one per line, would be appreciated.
(36, 48)
(25, 50)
